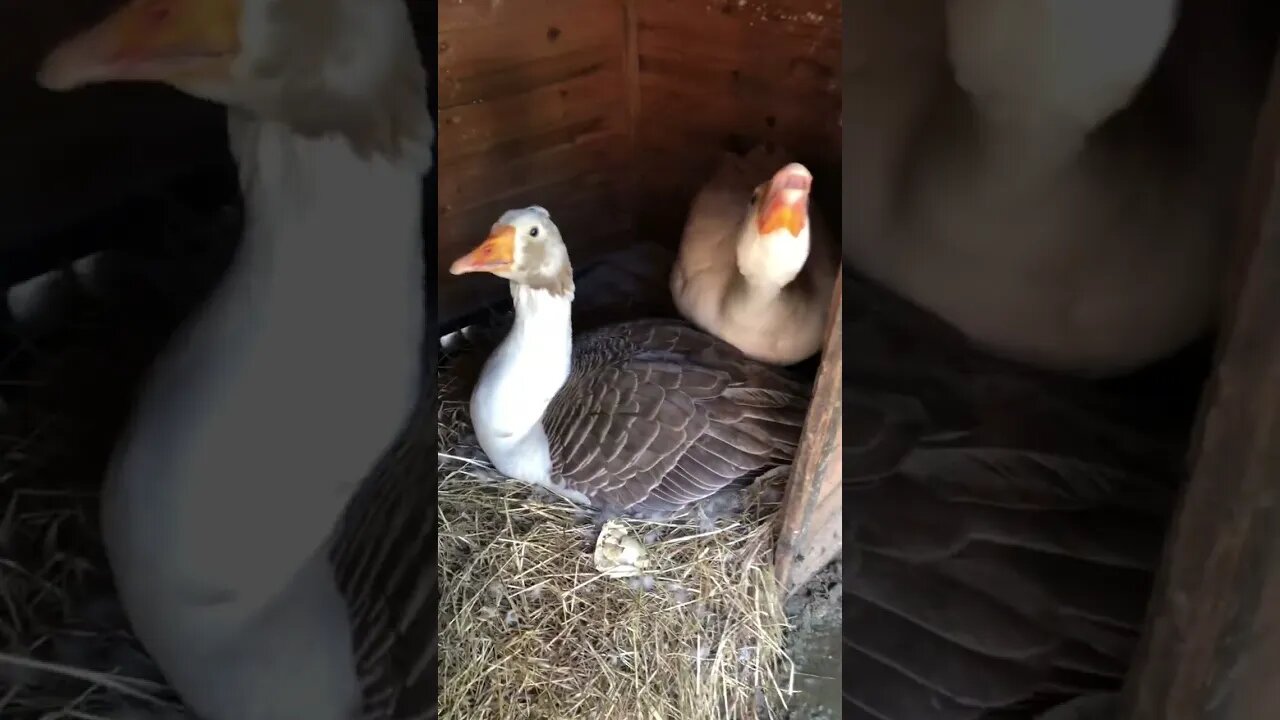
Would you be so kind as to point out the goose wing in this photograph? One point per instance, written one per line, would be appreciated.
(384, 559)
(1001, 537)
(656, 415)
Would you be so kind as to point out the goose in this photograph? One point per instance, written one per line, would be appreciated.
(756, 266)
(1002, 527)
(223, 508)
(644, 417)
(1064, 208)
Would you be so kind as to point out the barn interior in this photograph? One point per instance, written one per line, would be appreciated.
(614, 120)
(121, 211)
(611, 115)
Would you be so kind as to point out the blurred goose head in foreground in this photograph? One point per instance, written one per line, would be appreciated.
(318, 66)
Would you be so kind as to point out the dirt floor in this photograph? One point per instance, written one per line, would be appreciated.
(814, 645)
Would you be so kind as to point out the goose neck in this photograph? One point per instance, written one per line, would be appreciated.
(541, 335)
(327, 231)
(523, 375)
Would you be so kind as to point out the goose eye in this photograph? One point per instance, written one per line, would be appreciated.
(533, 232)
(755, 196)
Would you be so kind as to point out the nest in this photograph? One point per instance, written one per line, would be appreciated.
(65, 647)
(529, 628)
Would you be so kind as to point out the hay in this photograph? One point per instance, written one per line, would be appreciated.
(65, 650)
(529, 629)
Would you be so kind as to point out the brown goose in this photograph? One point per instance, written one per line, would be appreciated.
(1063, 208)
(756, 265)
(1002, 527)
(641, 417)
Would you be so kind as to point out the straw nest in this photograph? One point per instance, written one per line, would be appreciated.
(65, 648)
(529, 628)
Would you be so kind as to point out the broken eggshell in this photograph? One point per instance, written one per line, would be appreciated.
(619, 553)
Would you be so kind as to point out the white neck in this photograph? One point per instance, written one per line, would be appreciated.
(325, 227)
(519, 381)
(770, 262)
(330, 281)
(281, 394)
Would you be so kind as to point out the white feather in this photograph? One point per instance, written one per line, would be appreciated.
(257, 425)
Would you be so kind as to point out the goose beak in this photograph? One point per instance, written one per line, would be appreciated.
(150, 40)
(494, 255)
(786, 201)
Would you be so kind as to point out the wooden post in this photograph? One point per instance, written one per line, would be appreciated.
(1212, 647)
(811, 531)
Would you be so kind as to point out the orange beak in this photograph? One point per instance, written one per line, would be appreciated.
(494, 255)
(156, 40)
(786, 201)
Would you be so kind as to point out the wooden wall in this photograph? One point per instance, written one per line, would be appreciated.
(533, 110)
(729, 74)
(611, 113)
(1212, 641)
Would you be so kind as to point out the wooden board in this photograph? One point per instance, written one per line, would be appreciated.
(729, 74)
(1212, 646)
(533, 110)
(812, 528)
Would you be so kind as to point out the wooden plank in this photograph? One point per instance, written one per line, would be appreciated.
(728, 75)
(812, 528)
(814, 21)
(482, 63)
(791, 121)
(696, 148)
(1212, 644)
(502, 82)
(491, 177)
(534, 111)
(462, 14)
(474, 129)
(673, 167)
(631, 71)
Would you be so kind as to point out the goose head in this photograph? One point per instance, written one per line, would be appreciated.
(773, 244)
(348, 67)
(525, 247)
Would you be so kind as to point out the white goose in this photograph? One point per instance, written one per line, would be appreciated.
(643, 417)
(277, 398)
(1013, 179)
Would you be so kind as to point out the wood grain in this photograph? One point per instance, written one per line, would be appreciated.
(725, 76)
(1212, 646)
(533, 99)
(622, 106)
(812, 529)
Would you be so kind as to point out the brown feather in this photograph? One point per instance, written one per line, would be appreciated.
(1001, 526)
(656, 415)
